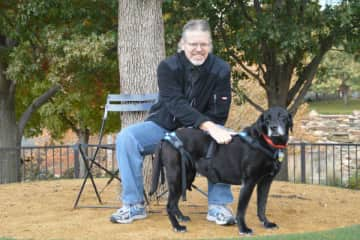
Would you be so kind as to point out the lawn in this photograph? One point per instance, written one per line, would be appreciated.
(335, 106)
(347, 233)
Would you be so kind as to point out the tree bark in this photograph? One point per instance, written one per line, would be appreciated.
(9, 146)
(38, 102)
(141, 47)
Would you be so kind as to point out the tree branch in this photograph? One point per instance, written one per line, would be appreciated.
(278, 4)
(306, 77)
(246, 15)
(248, 71)
(70, 122)
(236, 58)
(2, 76)
(252, 103)
(12, 88)
(304, 83)
(237, 91)
(257, 6)
(302, 8)
(261, 68)
(300, 98)
(37, 103)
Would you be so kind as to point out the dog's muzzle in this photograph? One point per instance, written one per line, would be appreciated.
(275, 131)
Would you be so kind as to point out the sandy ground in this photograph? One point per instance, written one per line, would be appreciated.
(44, 210)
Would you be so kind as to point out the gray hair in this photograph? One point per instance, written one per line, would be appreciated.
(195, 25)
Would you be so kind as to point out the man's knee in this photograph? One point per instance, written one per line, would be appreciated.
(125, 136)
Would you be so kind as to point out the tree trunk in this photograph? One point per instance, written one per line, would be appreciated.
(141, 47)
(11, 131)
(9, 140)
(346, 97)
(278, 79)
(278, 82)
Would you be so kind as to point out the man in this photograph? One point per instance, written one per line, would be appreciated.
(194, 91)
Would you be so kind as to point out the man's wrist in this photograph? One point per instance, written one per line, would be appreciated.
(206, 126)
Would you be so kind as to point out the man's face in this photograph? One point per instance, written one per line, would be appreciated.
(197, 45)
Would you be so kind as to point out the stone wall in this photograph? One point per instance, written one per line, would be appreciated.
(333, 128)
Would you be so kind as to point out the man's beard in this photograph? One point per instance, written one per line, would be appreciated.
(197, 62)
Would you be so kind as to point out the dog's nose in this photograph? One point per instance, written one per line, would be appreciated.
(273, 128)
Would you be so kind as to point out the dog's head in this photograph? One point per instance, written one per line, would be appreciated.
(275, 123)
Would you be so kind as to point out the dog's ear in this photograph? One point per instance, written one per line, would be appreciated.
(259, 125)
(290, 122)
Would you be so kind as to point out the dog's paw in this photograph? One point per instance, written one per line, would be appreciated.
(246, 231)
(270, 225)
(180, 229)
(184, 219)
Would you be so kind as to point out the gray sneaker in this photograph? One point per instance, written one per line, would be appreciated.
(129, 213)
(220, 214)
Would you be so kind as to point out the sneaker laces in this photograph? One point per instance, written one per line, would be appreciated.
(127, 208)
(123, 209)
(221, 210)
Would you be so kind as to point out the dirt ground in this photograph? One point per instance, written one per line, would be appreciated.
(44, 210)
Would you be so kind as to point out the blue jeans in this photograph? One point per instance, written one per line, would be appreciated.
(138, 140)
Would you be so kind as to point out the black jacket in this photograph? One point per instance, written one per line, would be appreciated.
(185, 101)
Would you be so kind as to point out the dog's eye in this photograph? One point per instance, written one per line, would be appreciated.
(283, 118)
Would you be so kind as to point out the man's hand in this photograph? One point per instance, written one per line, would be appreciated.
(217, 132)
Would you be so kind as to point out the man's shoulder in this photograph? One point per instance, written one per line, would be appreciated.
(220, 64)
(171, 61)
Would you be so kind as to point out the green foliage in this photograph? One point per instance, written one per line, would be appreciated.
(354, 180)
(72, 43)
(277, 43)
(88, 72)
(337, 68)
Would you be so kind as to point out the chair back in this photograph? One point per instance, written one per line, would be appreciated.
(129, 102)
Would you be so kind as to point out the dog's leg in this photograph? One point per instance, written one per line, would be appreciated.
(244, 198)
(263, 188)
(173, 206)
(190, 176)
(157, 169)
(180, 216)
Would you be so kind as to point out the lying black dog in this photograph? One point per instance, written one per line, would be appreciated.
(252, 158)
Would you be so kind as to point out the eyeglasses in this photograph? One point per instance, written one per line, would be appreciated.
(195, 45)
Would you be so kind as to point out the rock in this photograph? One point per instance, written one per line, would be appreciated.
(334, 128)
(313, 113)
(356, 113)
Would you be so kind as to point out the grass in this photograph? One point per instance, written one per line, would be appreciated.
(335, 106)
(347, 233)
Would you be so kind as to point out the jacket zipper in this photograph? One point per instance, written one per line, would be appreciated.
(214, 97)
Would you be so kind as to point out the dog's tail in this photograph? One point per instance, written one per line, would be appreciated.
(157, 170)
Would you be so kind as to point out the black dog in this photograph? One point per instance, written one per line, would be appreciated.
(252, 158)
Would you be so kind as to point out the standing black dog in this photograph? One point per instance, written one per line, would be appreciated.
(252, 158)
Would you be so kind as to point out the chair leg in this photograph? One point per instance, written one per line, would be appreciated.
(95, 188)
(88, 175)
(199, 190)
(80, 192)
(113, 176)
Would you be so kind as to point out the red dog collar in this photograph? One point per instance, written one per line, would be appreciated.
(270, 142)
